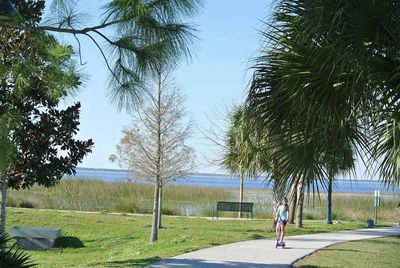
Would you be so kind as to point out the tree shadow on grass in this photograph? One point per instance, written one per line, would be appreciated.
(174, 263)
(199, 263)
(68, 242)
(348, 250)
(309, 266)
(385, 241)
(257, 236)
(128, 263)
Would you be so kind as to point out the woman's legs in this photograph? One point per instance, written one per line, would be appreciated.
(282, 233)
(278, 231)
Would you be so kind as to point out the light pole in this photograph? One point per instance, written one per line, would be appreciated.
(377, 203)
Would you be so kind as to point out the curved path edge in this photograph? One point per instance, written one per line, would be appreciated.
(262, 252)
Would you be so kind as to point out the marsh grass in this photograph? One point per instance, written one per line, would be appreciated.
(96, 195)
(347, 206)
(128, 197)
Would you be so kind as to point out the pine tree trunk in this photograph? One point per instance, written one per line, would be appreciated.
(154, 225)
(300, 202)
(293, 203)
(160, 206)
(240, 194)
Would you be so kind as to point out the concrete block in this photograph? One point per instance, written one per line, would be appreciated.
(36, 238)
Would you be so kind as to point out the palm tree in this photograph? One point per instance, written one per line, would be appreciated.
(329, 75)
(241, 152)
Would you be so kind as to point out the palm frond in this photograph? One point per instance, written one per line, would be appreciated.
(12, 257)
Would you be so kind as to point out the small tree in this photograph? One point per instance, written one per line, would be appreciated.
(155, 146)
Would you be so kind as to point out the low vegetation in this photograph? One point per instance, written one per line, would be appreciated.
(96, 195)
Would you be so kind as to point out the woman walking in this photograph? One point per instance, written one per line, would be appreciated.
(281, 216)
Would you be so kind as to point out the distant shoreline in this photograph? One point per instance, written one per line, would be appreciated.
(127, 170)
(215, 174)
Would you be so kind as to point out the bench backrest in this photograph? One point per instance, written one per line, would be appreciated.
(235, 206)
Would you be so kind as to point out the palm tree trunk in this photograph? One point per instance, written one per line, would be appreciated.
(160, 206)
(154, 229)
(293, 203)
(300, 202)
(240, 194)
(329, 201)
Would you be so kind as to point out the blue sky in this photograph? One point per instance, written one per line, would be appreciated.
(217, 76)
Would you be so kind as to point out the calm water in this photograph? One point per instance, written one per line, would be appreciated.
(227, 181)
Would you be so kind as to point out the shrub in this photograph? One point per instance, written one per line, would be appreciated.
(26, 204)
(13, 257)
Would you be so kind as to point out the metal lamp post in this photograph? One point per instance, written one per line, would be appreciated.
(377, 203)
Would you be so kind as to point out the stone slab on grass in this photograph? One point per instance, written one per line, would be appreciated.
(36, 238)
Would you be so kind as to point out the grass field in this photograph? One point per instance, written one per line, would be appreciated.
(380, 252)
(95, 195)
(106, 240)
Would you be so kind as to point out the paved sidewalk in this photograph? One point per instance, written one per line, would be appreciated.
(262, 253)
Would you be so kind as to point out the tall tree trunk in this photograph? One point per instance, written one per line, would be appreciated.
(154, 229)
(293, 203)
(240, 194)
(4, 185)
(154, 226)
(329, 199)
(160, 206)
(300, 203)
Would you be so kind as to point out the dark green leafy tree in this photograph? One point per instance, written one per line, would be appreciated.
(38, 137)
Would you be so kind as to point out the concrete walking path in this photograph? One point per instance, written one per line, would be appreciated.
(262, 252)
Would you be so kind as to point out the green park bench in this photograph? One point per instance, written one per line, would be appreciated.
(234, 207)
(37, 238)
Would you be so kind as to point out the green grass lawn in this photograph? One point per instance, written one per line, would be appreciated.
(107, 240)
(380, 252)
